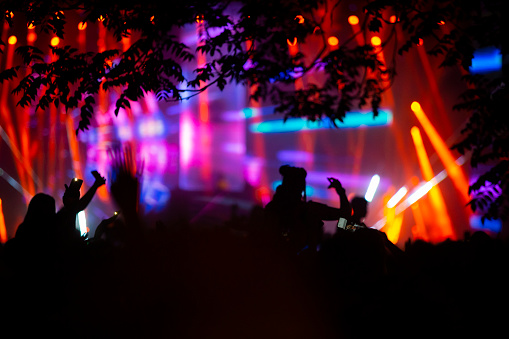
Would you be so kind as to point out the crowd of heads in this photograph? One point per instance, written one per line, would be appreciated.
(271, 274)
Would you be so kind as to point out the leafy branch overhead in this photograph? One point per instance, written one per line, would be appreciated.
(263, 45)
(243, 42)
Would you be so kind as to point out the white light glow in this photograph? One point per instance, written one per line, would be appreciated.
(82, 222)
(373, 185)
(397, 197)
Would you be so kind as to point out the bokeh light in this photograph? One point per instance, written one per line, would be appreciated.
(376, 41)
(12, 40)
(54, 41)
(353, 20)
(333, 41)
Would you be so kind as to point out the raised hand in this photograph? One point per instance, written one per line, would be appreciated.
(99, 180)
(334, 183)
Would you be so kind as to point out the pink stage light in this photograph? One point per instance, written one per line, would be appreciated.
(186, 141)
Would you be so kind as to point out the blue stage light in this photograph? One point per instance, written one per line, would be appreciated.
(494, 225)
(486, 60)
(352, 120)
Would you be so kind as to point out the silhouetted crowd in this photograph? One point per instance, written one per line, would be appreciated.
(270, 274)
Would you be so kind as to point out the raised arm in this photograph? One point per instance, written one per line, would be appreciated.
(345, 210)
(87, 197)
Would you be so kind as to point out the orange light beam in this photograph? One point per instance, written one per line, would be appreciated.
(3, 230)
(205, 133)
(6, 114)
(437, 97)
(442, 217)
(354, 22)
(73, 146)
(52, 142)
(392, 220)
(453, 169)
(24, 120)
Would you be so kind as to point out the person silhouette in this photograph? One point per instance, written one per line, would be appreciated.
(73, 204)
(360, 210)
(292, 219)
(39, 221)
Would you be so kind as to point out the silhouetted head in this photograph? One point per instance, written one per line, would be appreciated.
(40, 218)
(40, 209)
(294, 179)
(359, 207)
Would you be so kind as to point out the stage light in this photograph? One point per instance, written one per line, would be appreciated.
(3, 230)
(186, 141)
(420, 192)
(415, 106)
(442, 219)
(376, 41)
(486, 60)
(494, 225)
(54, 41)
(373, 185)
(351, 120)
(12, 40)
(333, 41)
(454, 171)
(82, 26)
(353, 20)
(397, 197)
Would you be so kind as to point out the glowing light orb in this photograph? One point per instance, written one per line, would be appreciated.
(415, 106)
(333, 41)
(393, 19)
(376, 41)
(353, 20)
(54, 41)
(12, 40)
